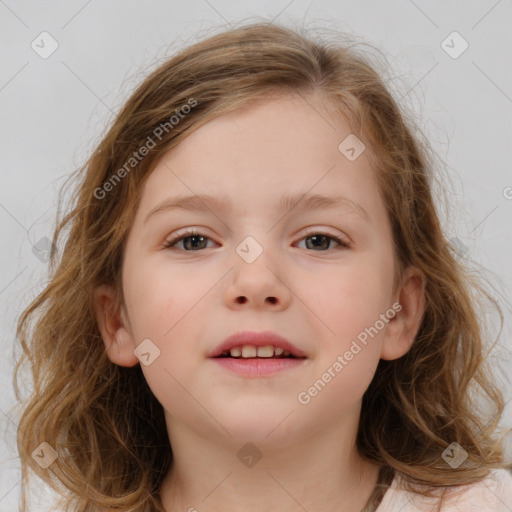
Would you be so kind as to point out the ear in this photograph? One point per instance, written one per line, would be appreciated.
(114, 328)
(403, 327)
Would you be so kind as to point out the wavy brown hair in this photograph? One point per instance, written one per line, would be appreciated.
(104, 422)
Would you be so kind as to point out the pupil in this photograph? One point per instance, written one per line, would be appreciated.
(317, 241)
(194, 244)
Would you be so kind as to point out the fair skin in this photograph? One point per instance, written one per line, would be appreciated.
(187, 301)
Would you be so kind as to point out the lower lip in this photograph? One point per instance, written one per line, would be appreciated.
(258, 367)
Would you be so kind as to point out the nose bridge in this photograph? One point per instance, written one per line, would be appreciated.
(255, 256)
(258, 242)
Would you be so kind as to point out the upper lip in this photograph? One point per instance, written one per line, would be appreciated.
(256, 339)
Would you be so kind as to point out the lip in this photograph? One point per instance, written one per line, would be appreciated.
(257, 339)
(258, 367)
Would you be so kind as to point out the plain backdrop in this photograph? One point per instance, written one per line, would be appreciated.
(54, 108)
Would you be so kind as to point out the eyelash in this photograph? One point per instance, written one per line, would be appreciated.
(168, 244)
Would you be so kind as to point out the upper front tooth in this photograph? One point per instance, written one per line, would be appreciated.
(267, 351)
(252, 351)
(248, 351)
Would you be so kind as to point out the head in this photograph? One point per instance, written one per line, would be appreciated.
(195, 126)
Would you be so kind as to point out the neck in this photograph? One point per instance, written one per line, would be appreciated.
(321, 471)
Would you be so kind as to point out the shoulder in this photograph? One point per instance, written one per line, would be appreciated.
(492, 494)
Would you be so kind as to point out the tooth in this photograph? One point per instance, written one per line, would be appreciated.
(267, 351)
(286, 353)
(248, 351)
(278, 351)
(236, 352)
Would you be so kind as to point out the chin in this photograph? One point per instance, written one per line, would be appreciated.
(264, 423)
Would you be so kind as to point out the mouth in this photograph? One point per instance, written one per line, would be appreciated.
(253, 354)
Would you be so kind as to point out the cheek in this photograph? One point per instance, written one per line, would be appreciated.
(158, 296)
(351, 298)
(164, 305)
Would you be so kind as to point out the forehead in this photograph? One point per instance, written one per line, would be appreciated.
(289, 145)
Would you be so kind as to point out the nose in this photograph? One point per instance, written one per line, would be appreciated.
(259, 284)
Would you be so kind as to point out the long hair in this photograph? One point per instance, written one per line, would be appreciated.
(103, 421)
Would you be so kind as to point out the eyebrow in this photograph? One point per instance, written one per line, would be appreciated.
(301, 202)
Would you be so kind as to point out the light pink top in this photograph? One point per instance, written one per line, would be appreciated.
(492, 494)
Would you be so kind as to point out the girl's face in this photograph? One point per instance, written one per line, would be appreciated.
(259, 264)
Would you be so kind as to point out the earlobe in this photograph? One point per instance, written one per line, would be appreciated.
(114, 330)
(403, 327)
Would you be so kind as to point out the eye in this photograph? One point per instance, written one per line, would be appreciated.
(323, 241)
(193, 240)
(196, 239)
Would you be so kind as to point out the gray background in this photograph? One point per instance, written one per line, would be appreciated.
(53, 111)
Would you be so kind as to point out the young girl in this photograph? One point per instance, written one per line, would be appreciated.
(255, 307)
